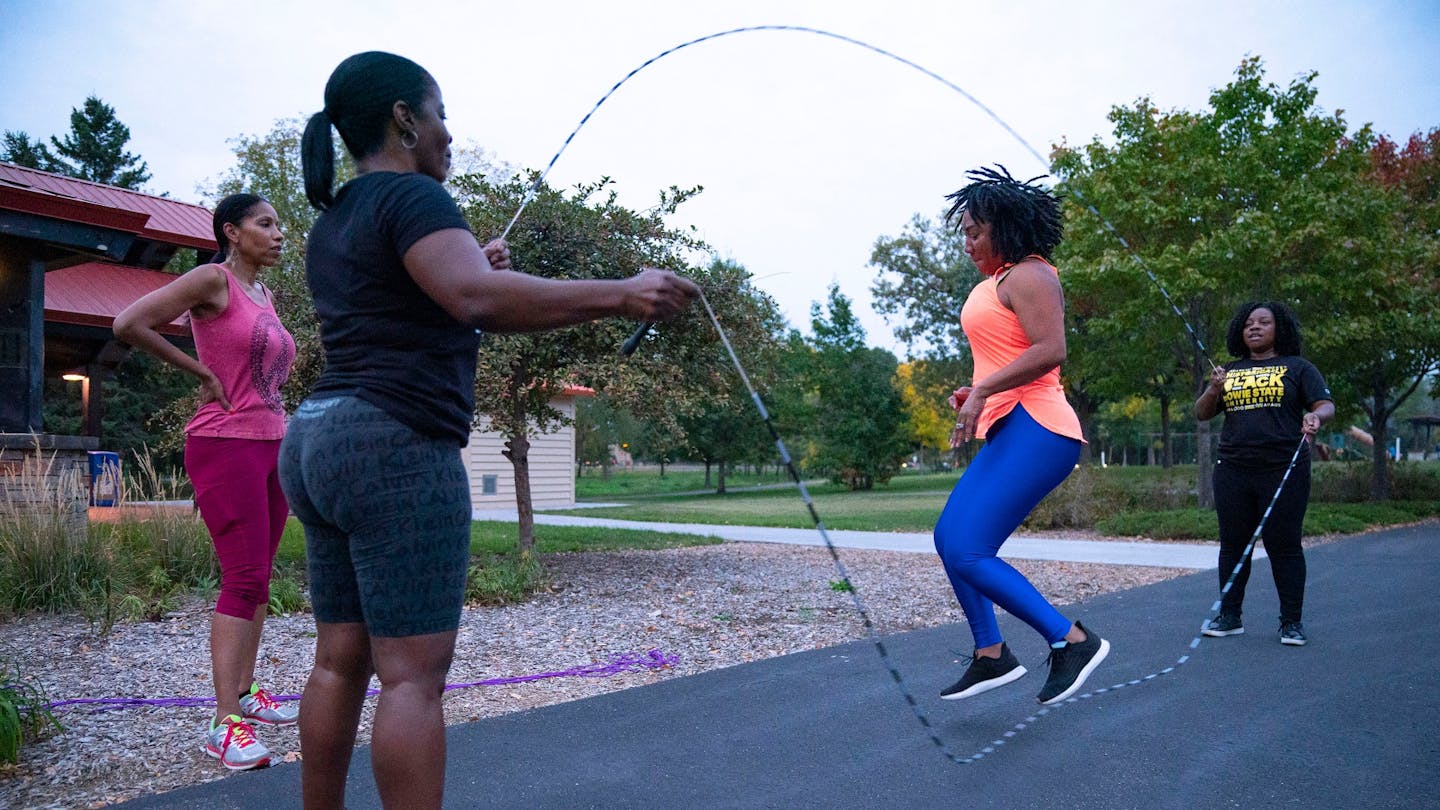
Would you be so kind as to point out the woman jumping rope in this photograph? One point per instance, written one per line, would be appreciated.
(1015, 322)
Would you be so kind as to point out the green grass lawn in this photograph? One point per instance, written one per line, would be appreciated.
(908, 503)
(621, 483)
(499, 539)
(1320, 518)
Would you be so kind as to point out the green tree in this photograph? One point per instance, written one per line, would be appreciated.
(94, 149)
(589, 235)
(725, 429)
(16, 147)
(859, 432)
(1261, 196)
(600, 426)
(925, 387)
(1384, 356)
(922, 279)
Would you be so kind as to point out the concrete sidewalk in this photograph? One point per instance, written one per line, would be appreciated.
(1198, 556)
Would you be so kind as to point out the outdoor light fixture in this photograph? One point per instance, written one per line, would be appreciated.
(73, 376)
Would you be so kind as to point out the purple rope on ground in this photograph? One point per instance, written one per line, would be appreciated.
(618, 664)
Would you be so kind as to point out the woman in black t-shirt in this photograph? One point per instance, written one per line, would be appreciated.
(371, 463)
(1271, 396)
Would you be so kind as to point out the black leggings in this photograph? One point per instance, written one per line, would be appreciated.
(1241, 496)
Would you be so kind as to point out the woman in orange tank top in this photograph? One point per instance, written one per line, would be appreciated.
(1015, 322)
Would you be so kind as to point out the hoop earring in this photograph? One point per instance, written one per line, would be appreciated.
(414, 139)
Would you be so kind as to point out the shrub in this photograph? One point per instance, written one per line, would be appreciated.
(1092, 493)
(499, 580)
(48, 562)
(130, 565)
(24, 712)
(1349, 481)
(286, 594)
(1415, 482)
(1170, 524)
(1340, 481)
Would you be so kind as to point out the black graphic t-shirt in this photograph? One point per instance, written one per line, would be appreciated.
(1264, 403)
(386, 341)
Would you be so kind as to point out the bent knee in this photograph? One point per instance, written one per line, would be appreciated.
(241, 600)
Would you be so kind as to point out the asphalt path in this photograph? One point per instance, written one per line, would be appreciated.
(1169, 720)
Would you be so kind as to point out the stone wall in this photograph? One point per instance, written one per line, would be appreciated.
(46, 477)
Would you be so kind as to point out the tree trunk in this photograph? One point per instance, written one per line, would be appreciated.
(1205, 463)
(707, 473)
(517, 449)
(719, 490)
(1167, 439)
(1380, 469)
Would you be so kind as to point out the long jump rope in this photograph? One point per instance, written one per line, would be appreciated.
(654, 659)
(633, 342)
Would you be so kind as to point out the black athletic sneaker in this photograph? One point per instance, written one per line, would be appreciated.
(1292, 633)
(1071, 665)
(985, 674)
(1226, 624)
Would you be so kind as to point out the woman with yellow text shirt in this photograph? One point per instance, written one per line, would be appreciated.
(1271, 396)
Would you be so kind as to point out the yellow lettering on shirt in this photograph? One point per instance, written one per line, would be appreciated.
(1250, 388)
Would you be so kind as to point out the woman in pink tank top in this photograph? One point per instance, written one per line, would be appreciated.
(232, 449)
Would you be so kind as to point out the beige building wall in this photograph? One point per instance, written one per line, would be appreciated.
(552, 466)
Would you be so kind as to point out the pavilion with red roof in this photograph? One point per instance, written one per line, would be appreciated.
(73, 254)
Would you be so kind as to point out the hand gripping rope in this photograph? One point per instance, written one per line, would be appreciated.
(635, 339)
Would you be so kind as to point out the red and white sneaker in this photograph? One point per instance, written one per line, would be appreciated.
(259, 707)
(232, 741)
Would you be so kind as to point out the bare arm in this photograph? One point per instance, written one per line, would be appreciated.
(198, 291)
(1033, 293)
(1321, 411)
(452, 268)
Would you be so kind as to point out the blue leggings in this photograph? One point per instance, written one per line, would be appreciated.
(1018, 466)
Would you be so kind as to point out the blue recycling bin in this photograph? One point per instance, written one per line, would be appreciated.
(104, 478)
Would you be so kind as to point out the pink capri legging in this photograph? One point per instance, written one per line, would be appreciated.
(237, 489)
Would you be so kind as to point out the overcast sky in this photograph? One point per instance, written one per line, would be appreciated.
(809, 148)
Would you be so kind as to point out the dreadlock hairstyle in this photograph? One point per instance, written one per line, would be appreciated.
(1287, 329)
(1024, 218)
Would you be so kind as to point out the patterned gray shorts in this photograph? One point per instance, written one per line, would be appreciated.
(386, 512)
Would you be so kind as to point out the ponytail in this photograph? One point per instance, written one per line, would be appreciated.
(359, 98)
(317, 161)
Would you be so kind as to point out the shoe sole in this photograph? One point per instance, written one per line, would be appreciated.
(985, 686)
(1223, 633)
(262, 721)
(261, 763)
(1293, 642)
(1083, 676)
